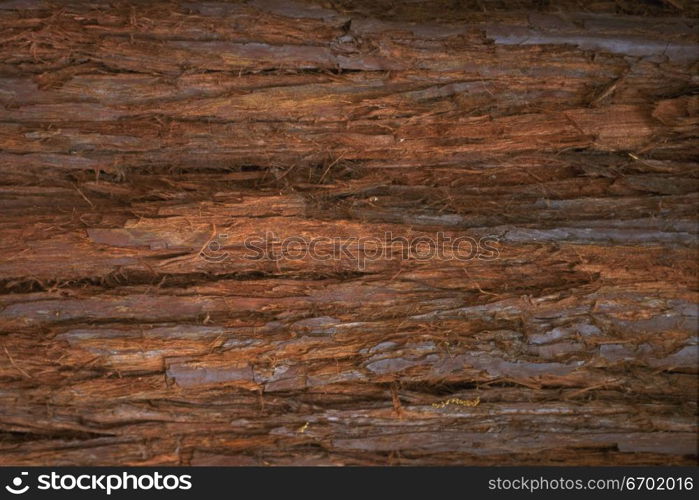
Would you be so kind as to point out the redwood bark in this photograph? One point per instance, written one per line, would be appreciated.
(135, 135)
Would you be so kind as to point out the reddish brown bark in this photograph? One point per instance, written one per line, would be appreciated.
(134, 135)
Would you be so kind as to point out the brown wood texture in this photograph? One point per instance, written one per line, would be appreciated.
(134, 135)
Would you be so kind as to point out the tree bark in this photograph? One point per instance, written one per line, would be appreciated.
(142, 144)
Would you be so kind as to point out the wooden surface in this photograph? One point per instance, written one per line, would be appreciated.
(133, 136)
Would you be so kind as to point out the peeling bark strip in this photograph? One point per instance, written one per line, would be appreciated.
(132, 136)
